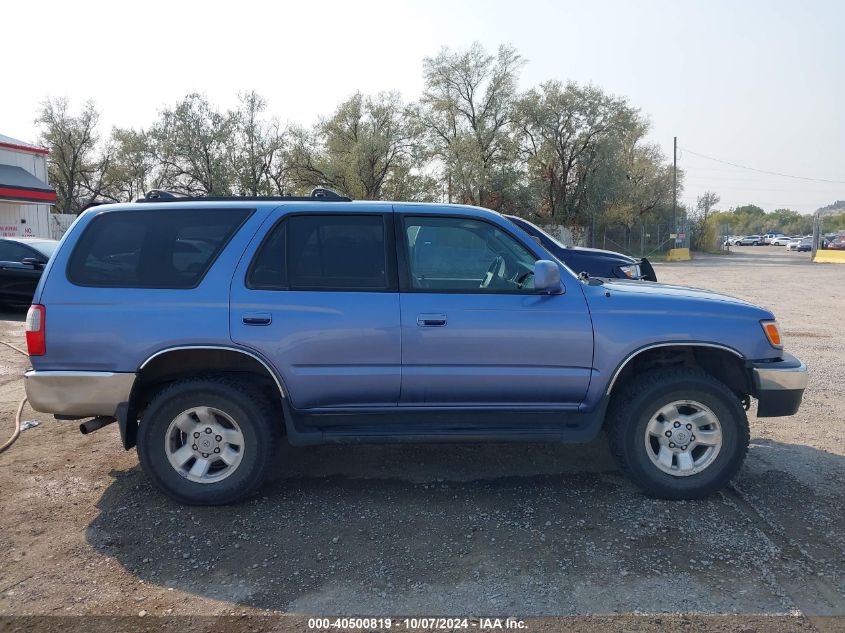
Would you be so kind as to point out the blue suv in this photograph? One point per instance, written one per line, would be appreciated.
(209, 329)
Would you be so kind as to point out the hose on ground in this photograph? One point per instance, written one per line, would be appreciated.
(17, 432)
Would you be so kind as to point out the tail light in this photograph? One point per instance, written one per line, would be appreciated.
(36, 330)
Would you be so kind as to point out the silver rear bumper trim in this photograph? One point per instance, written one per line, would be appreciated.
(81, 393)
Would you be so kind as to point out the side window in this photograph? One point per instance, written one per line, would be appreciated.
(463, 254)
(323, 252)
(160, 248)
(12, 252)
(268, 270)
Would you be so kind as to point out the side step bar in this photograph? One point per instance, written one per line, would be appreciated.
(438, 426)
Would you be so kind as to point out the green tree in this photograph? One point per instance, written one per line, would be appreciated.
(364, 149)
(258, 151)
(466, 109)
(75, 165)
(132, 170)
(192, 145)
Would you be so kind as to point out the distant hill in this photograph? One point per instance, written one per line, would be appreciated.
(833, 209)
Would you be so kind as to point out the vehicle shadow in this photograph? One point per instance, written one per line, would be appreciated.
(448, 529)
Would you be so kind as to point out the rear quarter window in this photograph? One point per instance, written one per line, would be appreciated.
(160, 248)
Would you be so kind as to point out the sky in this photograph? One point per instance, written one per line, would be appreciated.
(757, 84)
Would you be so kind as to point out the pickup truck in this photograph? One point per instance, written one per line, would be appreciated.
(211, 328)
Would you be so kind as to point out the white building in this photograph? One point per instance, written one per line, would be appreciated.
(25, 196)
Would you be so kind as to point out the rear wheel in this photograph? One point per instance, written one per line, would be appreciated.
(207, 441)
(678, 433)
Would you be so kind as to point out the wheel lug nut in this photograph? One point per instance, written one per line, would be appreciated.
(194, 447)
(677, 424)
(219, 438)
(692, 438)
(671, 444)
(196, 434)
(217, 450)
(208, 429)
(205, 454)
(668, 433)
(689, 427)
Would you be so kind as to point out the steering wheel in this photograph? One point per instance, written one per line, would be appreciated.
(492, 270)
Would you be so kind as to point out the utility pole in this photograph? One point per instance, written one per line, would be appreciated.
(675, 187)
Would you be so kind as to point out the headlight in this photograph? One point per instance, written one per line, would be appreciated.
(772, 330)
(632, 271)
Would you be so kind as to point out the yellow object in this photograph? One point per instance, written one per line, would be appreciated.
(772, 332)
(830, 256)
(678, 255)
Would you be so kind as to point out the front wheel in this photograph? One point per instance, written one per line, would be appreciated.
(207, 441)
(678, 433)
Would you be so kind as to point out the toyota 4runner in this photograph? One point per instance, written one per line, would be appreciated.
(209, 329)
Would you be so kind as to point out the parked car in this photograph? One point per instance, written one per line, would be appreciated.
(22, 260)
(768, 238)
(732, 240)
(593, 261)
(837, 242)
(806, 244)
(793, 243)
(750, 240)
(326, 320)
(780, 240)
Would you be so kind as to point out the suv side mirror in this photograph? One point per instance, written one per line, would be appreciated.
(32, 261)
(546, 277)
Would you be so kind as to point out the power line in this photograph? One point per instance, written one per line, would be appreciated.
(763, 171)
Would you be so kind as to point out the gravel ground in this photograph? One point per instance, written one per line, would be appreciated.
(524, 530)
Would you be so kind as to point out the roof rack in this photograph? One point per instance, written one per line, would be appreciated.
(319, 194)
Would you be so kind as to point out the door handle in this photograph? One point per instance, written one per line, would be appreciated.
(257, 318)
(431, 320)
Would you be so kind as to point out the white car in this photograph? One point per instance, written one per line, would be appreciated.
(780, 240)
(793, 243)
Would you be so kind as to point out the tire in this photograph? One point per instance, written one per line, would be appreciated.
(636, 450)
(239, 417)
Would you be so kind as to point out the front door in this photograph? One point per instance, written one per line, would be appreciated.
(474, 331)
(319, 300)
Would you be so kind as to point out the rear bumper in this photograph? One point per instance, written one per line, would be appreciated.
(79, 393)
(779, 386)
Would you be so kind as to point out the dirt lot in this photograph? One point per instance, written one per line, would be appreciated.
(527, 530)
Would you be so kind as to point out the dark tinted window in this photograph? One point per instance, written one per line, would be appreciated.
(14, 252)
(268, 270)
(152, 249)
(331, 252)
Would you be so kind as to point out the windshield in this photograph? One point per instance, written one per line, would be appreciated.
(540, 231)
(45, 248)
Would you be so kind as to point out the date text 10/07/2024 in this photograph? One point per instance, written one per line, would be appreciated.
(446, 624)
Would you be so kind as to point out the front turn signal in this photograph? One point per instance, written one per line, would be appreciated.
(772, 331)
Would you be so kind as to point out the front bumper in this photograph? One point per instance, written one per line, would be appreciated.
(77, 393)
(779, 386)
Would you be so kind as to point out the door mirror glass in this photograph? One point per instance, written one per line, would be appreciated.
(546, 277)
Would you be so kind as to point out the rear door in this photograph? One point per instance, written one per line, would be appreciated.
(474, 332)
(317, 296)
(18, 280)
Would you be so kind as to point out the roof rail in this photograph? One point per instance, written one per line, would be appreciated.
(318, 194)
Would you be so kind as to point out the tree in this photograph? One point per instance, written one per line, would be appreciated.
(705, 203)
(466, 108)
(258, 160)
(132, 170)
(365, 147)
(75, 168)
(191, 143)
(565, 133)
